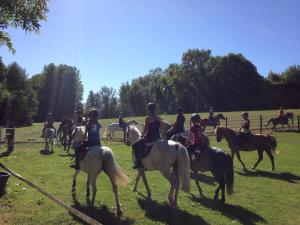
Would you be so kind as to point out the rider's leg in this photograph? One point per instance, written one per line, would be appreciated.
(80, 148)
(136, 148)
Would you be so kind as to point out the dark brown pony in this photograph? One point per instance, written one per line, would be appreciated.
(259, 142)
(284, 120)
(212, 122)
(215, 160)
(64, 133)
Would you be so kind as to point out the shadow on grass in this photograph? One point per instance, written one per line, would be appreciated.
(286, 131)
(100, 214)
(45, 152)
(285, 176)
(163, 213)
(5, 154)
(203, 178)
(67, 155)
(244, 216)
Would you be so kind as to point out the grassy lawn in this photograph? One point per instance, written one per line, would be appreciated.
(261, 197)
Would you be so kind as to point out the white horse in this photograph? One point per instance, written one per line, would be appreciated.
(97, 159)
(49, 136)
(110, 130)
(78, 135)
(170, 158)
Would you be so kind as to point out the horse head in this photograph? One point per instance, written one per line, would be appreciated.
(220, 116)
(132, 135)
(289, 115)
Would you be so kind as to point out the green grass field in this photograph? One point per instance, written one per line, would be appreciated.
(261, 197)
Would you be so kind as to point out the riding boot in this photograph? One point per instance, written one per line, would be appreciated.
(138, 161)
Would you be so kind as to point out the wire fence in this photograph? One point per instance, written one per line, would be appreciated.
(32, 134)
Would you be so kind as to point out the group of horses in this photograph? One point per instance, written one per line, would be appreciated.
(170, 158)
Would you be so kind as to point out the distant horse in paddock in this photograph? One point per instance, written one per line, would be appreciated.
(259, 142)
(212, 122)
(281, 120)
(100, 158)
(168, 157)
(212, 159)
(49, 137)
(110, 130)
(113, 127)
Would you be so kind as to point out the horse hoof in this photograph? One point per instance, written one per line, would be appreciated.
(133, 189)
(119, 212)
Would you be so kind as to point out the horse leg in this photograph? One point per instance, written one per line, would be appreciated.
(94, 189)
(260, 157)
(74, 181)
(176, 191)
(115, 190)
(199, 188)
(142, 172)
(271, 158)
(216, 195)
(137, 179)
(88, 190)
(223, 190)
(239, 158)
(172, 179)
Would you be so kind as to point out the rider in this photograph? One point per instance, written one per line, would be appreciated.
(244, 130)
(281, 113)
(93, 133)
(196, 135)
(49, 123)
(78, 118)
(150, 134)
(211, 113)
(123, 125)
(178, 126)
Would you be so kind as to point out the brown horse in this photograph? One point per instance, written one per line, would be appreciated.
(215, 160)
(259, 142)
(284, 120)
(212, 122)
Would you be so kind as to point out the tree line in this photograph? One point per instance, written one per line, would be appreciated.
(200, 80)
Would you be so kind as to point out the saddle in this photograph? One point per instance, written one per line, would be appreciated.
(243, 139)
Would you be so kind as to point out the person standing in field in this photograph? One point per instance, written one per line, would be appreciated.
(123, 125)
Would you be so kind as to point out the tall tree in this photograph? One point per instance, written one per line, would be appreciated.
(26, 14)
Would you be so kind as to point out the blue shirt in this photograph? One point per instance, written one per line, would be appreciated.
(94, 133)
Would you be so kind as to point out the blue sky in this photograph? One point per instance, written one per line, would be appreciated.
(112, 41)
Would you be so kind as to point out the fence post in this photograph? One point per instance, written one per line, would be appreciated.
(292, 121)
(260, 124)
(226, 121)
(298, 124)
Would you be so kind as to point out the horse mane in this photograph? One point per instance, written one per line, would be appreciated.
(132, 127)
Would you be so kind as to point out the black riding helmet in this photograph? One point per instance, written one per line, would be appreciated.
(245, 114)
(93, 113)
(151, 106)
(195, 118)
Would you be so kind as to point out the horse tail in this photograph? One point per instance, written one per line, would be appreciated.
(229, 174)
(113, 170)
(274, 144)
(183, 167)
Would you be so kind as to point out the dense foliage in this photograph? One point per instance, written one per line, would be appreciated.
(24, 14)
(57, 89)
(228, 83)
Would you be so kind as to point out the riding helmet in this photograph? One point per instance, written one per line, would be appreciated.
(179, 110)
(245, 114)
(195, 118)
(151, 106)
(93, 113)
